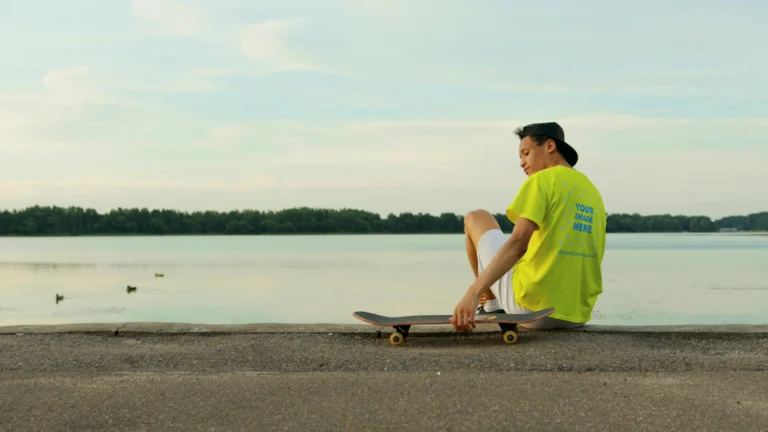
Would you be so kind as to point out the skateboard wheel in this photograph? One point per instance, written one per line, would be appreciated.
(510, 337)
(396, 338)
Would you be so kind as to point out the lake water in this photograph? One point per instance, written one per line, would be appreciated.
(649, 278)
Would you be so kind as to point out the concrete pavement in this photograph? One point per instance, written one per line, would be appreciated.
(341, 378)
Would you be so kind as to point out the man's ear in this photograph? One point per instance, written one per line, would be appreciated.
(551, 146)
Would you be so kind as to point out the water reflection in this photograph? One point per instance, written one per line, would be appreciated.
(649, 279)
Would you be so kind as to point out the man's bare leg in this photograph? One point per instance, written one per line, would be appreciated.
(472, 254)
(477, 223)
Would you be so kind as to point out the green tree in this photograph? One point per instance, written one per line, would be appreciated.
(38, 220)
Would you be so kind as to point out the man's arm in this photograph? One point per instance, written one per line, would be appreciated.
(509, 254)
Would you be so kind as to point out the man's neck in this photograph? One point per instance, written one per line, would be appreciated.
(556, 163)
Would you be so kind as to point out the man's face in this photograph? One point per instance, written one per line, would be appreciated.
(533, 157)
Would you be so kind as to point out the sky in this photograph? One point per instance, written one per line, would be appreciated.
(381, 105)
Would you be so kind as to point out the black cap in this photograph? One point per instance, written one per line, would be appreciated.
(554, 131)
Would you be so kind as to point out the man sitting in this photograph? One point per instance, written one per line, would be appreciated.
(553, 257)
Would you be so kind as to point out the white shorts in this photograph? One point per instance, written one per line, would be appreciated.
(487, 247)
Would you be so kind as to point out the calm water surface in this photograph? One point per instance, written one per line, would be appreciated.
(649, 278)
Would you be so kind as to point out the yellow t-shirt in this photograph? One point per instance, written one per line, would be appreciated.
(562, 267)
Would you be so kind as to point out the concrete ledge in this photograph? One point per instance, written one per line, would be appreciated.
(191, 328)
(61, 328)
(688, 328)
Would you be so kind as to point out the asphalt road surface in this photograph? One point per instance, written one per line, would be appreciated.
(355, 381)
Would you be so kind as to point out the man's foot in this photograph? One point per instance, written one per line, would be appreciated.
(489, 307)
(481, 311)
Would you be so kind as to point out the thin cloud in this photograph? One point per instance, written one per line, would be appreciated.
(269, 44)
(26, 118)
(174, 17)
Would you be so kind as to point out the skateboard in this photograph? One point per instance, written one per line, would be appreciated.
(402, 324)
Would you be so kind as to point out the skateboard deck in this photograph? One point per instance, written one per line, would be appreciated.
(402, 324)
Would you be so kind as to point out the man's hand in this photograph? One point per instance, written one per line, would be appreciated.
(463, 318)
(514, 248)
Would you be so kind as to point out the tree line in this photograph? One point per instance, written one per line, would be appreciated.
(42, 221)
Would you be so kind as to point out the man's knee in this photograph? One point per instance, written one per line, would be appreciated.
(478, 222)
(476, 217)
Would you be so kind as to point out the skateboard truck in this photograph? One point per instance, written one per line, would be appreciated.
(510, 332)
(398, 337)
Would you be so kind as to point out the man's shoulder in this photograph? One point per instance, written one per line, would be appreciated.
(571, 175)
(557, 174)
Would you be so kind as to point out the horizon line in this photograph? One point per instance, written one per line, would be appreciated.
(339, 209)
